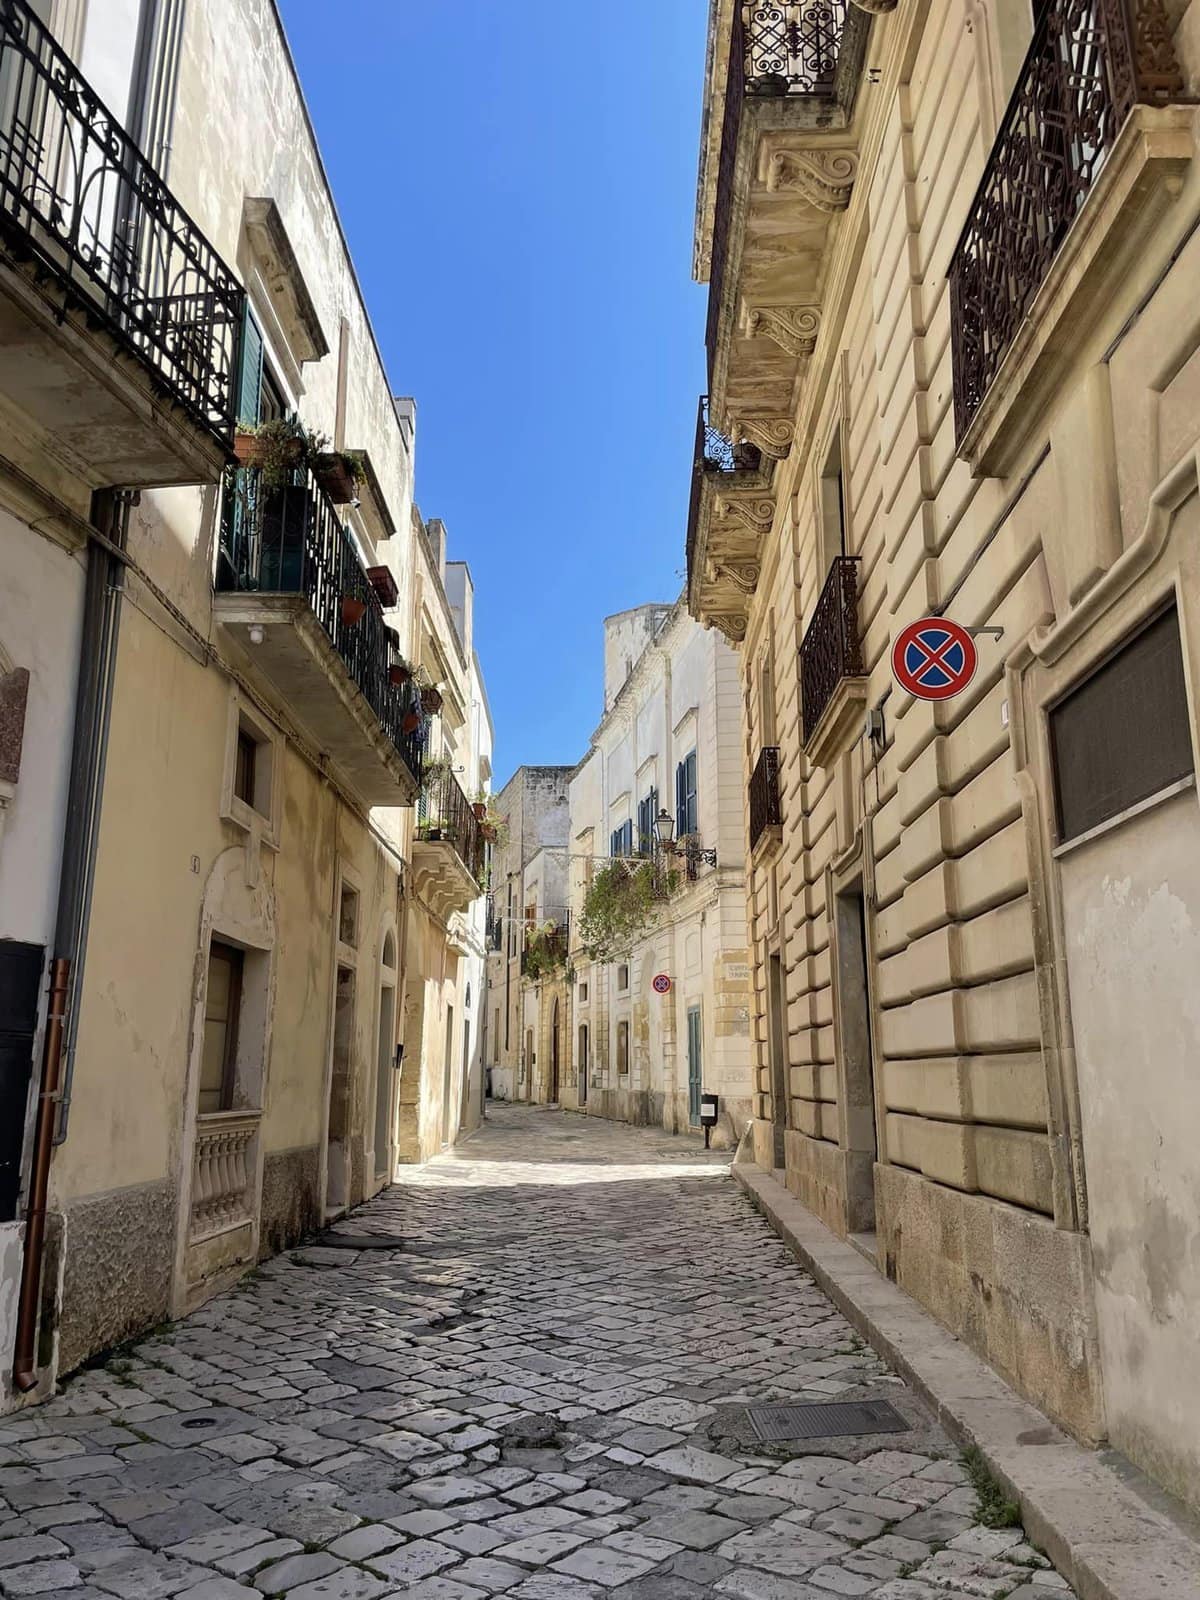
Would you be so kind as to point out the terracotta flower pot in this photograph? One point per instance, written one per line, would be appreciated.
(352, 611)
(249, 449)
(335, 478)
(398, 674)
(480, 810)
(410, 722)
(431, 700)
(384, 585)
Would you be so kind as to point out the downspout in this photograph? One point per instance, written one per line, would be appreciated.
(93, 705)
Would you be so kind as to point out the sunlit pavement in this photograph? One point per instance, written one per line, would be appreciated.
(536, 1387)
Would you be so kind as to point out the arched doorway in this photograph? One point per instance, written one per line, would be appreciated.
(554, 1055)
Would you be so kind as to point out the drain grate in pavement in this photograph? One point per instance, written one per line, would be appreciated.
(826, 1420)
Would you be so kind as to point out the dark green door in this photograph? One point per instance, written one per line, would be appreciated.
(694, 1071)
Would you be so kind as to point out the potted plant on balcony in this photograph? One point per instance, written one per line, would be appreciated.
(621, 904)
(339, 472)
(277, 448)
(434, 774)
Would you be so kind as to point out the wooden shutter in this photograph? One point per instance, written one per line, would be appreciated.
(250, 378)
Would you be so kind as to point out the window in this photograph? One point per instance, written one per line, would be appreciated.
(348, 916)
(623, 976)
(1122, 734)
(244, 764)
(685, 797)
(647, 813)
(622, 1047)
(218, 1059)
(583, 994)
(260, 398)
(832, 505)
(622, 839)
(249, 771)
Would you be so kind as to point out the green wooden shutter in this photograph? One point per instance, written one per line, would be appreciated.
(250, 378)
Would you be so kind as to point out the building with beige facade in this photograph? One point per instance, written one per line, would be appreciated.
(528, 889)
(954, 369)
(228, 890)
(668, 743)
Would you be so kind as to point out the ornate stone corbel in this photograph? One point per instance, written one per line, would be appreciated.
(731, 623)
(822, 177)
(772, 435)
(793, 328)
(743, 575)
(757, 515)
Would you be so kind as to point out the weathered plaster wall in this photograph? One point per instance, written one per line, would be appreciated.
(1131, 906)
(41, 599)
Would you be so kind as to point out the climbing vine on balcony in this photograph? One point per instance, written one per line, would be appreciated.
(545, 951)
(621, 905)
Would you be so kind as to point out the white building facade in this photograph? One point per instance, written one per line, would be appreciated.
(669, 741)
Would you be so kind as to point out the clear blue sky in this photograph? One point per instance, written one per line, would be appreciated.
(517, 182)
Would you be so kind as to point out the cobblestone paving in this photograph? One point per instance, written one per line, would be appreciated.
(537, 1396)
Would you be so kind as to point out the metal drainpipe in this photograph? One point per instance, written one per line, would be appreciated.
(93, 704)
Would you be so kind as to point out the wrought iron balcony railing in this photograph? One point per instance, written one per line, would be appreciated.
(713, 453)
(1088, 64)
(765, 809)
(776, 49)
(289, 541)
(79, 198)
(445, 815)
(831, 649)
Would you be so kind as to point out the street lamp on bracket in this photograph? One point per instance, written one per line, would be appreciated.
(693, 853)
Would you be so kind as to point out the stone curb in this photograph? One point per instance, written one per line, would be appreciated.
(1104, 1537)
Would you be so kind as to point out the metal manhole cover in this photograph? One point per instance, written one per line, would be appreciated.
(827, 1420)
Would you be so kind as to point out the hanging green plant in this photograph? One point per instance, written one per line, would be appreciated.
(621, 904)
(545, 951)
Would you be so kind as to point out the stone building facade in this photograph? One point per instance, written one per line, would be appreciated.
(528, 869)
(669, 740)
(218, 915)
(954, 368)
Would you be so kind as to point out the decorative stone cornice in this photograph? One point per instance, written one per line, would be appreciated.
(743, 575)
(824, 178)
(875, 8)
(772, 435)
(793, 328)
(757, 515)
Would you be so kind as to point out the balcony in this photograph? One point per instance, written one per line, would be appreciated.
(833, 685)
(777, 169)
(546, 952)
(729, 514)
(766, 812)
(449, 854)
(120, 325)
(1090, 127)
(292, 591)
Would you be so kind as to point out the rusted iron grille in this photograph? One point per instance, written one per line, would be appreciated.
(773, 50)
(1088, 63)
(289, 541)
(831, 649)
(445, 813)
(765, 810)
(77, 194)
(713, 452)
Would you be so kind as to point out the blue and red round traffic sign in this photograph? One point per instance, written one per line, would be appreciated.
(662, 984)
(934, 658)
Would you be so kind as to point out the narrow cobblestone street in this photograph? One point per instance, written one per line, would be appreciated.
(538, 1392)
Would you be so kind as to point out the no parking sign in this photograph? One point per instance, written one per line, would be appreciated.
(934, 658)
(661, 984)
